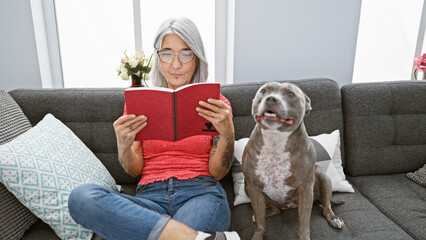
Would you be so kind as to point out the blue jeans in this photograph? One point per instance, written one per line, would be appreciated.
(200, 203)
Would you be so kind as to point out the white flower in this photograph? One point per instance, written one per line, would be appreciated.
(133, 62)
(119, 69)
(146, 77)
(124, 75)
(134, 65)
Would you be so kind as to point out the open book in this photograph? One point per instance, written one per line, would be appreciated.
(171, 114)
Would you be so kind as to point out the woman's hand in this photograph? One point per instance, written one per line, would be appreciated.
(222, 150)
(126, 127)
(130, 151)
(219, 114)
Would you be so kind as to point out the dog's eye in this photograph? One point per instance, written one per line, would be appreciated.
(263, 90)
(291, 94)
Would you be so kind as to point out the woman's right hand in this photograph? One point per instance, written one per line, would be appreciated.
(126, 127)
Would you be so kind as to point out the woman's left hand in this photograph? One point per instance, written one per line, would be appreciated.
(219, 114)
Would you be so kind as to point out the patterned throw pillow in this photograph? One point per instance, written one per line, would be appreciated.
(43, 165)
(15, 218)
(418, 176)
(329, 160)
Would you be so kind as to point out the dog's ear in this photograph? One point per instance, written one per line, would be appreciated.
(308, 106)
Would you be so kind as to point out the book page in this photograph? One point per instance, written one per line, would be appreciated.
(189, 123)
(150, 89)
(156, 105)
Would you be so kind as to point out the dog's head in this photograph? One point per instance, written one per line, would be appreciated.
(280, 106)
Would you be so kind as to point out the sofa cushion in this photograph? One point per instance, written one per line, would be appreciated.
(399, 198)
(88, 112)
(385, 127)
(40, 231)
(362, 221)
(15, 218)
(43, 165)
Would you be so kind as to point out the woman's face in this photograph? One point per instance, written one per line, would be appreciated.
(176, 72)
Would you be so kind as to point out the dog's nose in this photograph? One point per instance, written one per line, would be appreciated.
(271, 100)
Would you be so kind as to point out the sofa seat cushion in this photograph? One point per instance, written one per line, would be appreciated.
(399, 198)
(40, 231)
(362, 221)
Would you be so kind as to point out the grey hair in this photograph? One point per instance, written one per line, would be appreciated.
(185, 29)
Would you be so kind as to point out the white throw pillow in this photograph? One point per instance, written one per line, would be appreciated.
(42, 166)
(237, 173)
(329, 159)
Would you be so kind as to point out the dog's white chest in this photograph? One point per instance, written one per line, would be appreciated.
(273, 165)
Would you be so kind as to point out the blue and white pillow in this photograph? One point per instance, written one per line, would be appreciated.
(42, 166)
(329, 159)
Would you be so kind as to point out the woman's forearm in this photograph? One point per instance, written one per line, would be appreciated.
(221, 156)
(132, 159)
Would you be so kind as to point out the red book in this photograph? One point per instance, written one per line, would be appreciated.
(171, 114)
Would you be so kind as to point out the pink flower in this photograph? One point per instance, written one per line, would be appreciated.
(420, 63)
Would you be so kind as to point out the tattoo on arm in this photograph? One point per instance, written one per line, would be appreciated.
(228, 154)
(215, 141)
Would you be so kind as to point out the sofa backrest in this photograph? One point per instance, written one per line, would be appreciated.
(90, 113)
(385, 127)
(325, 117)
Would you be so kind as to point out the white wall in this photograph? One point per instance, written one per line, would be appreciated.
(18, 57)
(294, 39)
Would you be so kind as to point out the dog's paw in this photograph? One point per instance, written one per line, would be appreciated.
(336, 222)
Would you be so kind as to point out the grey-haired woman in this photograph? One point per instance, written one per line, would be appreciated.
(179, 195)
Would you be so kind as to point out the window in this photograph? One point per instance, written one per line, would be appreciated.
(93, 35)
(387, 40)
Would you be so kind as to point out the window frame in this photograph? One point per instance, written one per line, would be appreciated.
(47, 43)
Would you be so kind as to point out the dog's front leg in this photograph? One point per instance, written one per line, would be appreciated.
(324, 190)
(304, 206)
(259, 210)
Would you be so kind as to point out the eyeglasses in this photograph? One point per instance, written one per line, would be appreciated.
(167, 56)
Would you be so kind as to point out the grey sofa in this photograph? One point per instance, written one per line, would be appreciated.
(383, 133)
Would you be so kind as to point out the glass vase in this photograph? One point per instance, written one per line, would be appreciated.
(136, 81)
(418, 75)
